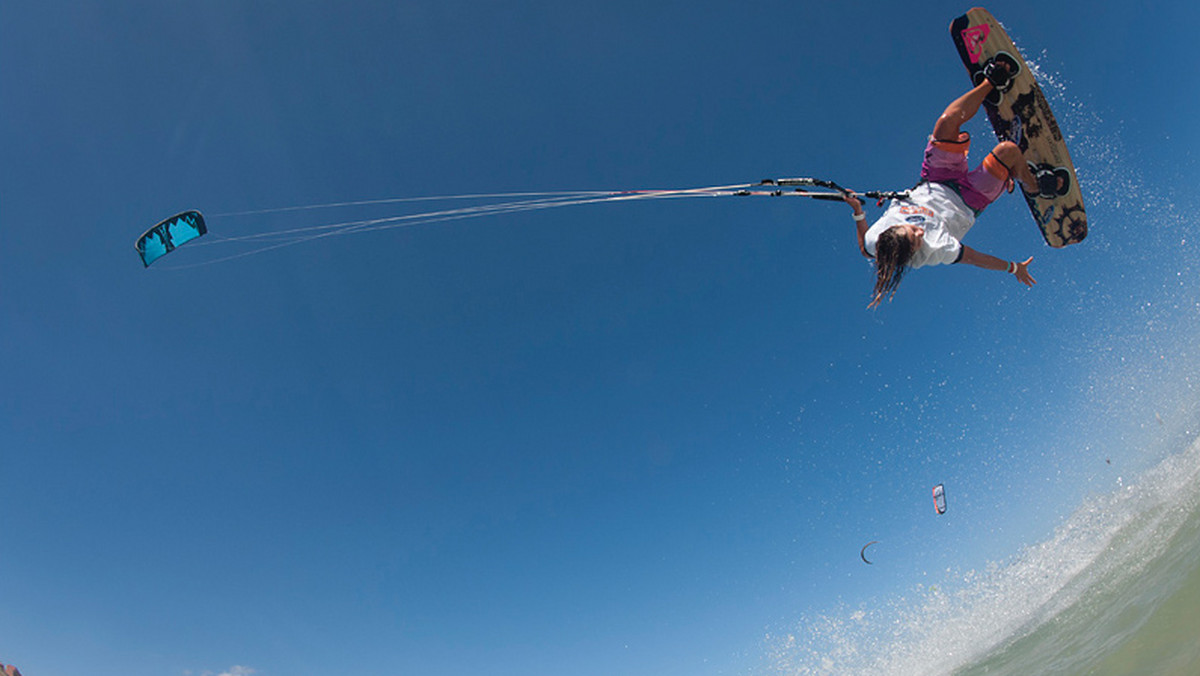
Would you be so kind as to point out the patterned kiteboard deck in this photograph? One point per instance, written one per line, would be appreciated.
(1021, 114)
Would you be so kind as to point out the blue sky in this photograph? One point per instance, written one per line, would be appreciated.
(616, 439)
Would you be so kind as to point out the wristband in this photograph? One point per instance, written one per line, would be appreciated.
(1012, 268)
(860, 217)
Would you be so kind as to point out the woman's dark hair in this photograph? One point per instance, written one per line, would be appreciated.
(893, 250)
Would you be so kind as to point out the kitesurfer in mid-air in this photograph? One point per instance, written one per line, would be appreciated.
(928, 226)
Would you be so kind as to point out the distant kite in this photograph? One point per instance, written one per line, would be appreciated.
(939, 499)
(863, 553)
(164, 237)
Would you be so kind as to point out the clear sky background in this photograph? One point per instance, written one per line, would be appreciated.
(631, 439)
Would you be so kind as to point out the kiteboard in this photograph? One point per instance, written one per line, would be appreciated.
(1020, 113)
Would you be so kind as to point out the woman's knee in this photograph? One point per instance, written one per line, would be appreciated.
(1009, 153)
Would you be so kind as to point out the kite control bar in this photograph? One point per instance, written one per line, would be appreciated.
(799, 183)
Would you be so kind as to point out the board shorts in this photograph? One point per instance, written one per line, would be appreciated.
(946, 162)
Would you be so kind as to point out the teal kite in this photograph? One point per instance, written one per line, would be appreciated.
(164, 237)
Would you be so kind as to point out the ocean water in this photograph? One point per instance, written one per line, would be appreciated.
(1114, 591)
